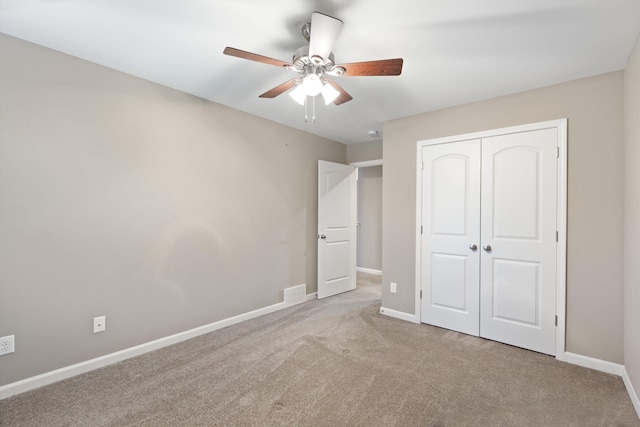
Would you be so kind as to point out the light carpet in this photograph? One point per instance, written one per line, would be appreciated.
(331, 362)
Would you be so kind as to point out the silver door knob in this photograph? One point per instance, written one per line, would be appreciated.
(473, 247)
(487, 248)
(323, 236)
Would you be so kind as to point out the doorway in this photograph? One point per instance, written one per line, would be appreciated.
(369, 220)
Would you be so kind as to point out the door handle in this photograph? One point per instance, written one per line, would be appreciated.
(487, 248)
(322, 236)
(473, 247)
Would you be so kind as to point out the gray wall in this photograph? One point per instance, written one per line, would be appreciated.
(123, 198)
(632, 218)
(370, 217)
(594, 108)
(363, 151)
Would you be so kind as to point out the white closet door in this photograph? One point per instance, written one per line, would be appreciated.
(518, 222)
(451, 229)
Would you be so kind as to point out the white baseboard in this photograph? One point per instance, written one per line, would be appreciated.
(592, 363)
(369, 270)
(46, 378)
(313, 295)
(632, 392)
(399, 315)
(604, 366)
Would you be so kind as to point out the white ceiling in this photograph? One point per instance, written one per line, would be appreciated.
(455, 51)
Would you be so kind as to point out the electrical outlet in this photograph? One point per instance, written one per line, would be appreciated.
(99, 324)
(393, 287)
(7, 345)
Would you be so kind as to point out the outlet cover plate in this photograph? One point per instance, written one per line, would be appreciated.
(7, 344)
(99, 324)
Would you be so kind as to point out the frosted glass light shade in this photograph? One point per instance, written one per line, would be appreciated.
(329, 93)
(299, 94)
(312, 84)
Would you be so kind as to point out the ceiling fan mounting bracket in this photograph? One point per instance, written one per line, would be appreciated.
(306, 31)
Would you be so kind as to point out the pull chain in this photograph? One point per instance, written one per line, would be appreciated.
(313, 109)
(313, 119)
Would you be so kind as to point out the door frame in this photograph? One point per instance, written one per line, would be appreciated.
(358, 165)
(561, 214)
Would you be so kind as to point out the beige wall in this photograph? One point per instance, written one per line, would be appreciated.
(123, 198)
(166, 212)
(364, 151)
(632, 218)
(594, 108)
(370, 217)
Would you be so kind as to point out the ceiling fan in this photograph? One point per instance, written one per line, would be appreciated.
(316, 61)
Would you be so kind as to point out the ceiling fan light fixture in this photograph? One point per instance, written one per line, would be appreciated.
(299, 94)
(312, 84)
(329, 93)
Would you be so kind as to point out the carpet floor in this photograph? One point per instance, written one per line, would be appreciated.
(332, 362)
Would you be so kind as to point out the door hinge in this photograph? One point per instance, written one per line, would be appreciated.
(420, 293)
(556, 320)
(556, 236)
(420, 229)
(422, 167)
(558, 152)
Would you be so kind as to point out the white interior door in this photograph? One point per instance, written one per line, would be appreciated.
(451, 236)
(336, 228)
(518, 261)
(499, 191)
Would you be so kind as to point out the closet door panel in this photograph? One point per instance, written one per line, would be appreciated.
(451, 224)
(518, 222)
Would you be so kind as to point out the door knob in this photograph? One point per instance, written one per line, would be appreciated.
(487, 248)
(473, 247)
(323, 236)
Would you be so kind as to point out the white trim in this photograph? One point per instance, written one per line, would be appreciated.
(369, 270)
(366, 163)
(418, 281)
(592, 363)
(609, 368)
(358, 165)
(312, 295)
(632, 392)
(561, 218)
(558, 123)
(46, 378)
(400, 315)
(561, 247)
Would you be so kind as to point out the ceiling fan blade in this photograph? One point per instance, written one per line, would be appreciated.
(343, 97)
(231, 51)
(325, 30)
(280, 89)
(385, 67)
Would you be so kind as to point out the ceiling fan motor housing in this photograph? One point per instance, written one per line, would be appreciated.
(304, 64)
